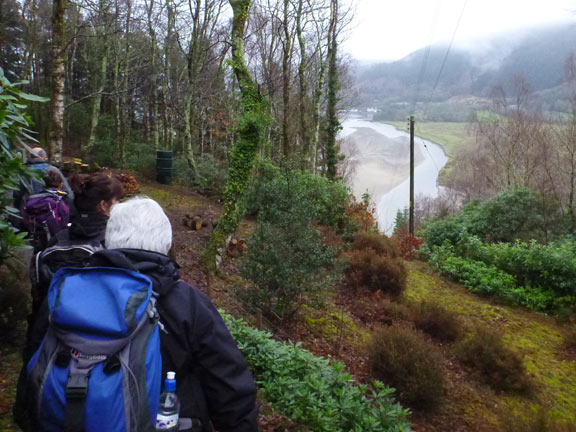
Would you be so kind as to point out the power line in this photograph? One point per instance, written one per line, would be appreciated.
(426, 56)
(428, 150)
(445, 58)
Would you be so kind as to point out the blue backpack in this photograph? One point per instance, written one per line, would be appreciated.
(99, 367)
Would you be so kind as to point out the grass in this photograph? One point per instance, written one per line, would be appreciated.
(539, 339)
(450, 135)
(10, 364)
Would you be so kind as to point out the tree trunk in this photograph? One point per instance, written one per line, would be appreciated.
(316, 114)
(101, 35)
(251, 127)
(333, 125)
(153, 113)
(304, 134)
(286, 51)
(125, 111)
(57, 77)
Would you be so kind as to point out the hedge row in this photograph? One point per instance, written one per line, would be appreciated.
(314, 391)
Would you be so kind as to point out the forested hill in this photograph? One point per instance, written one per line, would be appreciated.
(539, 55)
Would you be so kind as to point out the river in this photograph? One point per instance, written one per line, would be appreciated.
(377, 157)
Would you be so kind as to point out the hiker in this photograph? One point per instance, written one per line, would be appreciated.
(45, 214)
(95, 194)
(215, 387)
(38, 159)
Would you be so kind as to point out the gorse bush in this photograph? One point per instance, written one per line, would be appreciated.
(288, 266)
(313, 391)
(437, 321)
(401, 357)
(499, 366)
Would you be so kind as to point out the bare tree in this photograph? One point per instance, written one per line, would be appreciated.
(58, 78)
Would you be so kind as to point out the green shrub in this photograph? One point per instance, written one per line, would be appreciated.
(276, 192)
(314, 391)
(374, 272)
(14, 134)
(477, 276)
(437, 321)
(550, 267)
(488, 279)
(505, 217)
(400, 357)
(500, 367)
(444, 230)
(288, 266)
(105, 150)
(141, 157)
(209, 178)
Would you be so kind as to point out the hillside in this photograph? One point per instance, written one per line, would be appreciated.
(471, 71)
(342, 329)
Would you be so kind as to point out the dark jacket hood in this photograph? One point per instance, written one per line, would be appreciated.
(161, 269)
(88, 225)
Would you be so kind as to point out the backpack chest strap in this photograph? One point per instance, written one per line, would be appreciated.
(77, 391)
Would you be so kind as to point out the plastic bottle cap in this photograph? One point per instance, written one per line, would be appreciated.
(171, 375)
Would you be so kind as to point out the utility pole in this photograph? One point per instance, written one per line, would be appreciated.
(411, 207)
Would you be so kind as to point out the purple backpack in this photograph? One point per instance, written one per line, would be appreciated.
(45, 214)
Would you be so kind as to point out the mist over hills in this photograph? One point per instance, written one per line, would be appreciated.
(471, 71)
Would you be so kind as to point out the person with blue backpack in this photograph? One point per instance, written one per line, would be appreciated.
(112, 330)
(95, 194)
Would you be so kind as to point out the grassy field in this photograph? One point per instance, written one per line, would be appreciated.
(452, 136)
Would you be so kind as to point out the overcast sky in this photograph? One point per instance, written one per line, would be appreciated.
(391, 29)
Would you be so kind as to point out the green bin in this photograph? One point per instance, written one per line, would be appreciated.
(164, 166)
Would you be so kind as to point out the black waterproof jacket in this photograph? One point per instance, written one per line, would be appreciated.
(71, 247)
(214, 384)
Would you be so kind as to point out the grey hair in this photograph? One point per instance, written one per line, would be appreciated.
(139, 223)
(38, 153)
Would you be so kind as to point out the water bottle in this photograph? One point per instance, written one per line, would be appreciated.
(169, 411)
